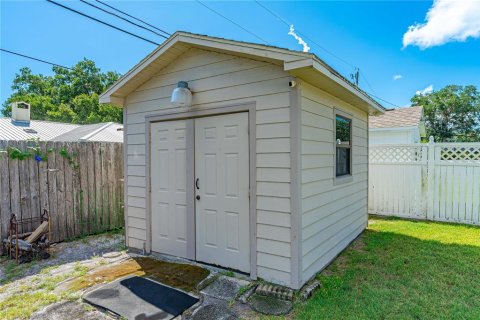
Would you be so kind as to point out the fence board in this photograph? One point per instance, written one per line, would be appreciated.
(105, 175)
(4, 191)
(82, 196)
(34, 188)
(52, 190)
(14, 184)
(60, 176)
(77, 204)
(68, 178)
(94, 227)
(435, 181)
(98, 185)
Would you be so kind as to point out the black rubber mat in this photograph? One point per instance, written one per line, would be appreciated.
(138, 298)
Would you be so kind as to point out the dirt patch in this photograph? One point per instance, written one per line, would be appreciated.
(182, 276)
(340, 265)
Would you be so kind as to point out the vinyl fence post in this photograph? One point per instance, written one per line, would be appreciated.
(431, 178)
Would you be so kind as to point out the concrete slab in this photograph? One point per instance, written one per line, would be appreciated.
(69, 310)
(269, 305)
(225, 288)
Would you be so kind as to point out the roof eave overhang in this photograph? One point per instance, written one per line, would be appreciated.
(318, 74)
(302, 65)
(412, 127)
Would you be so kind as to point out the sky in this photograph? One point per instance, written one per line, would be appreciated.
(400, 48)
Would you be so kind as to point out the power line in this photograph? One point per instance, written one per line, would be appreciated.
(326, 50)
(129, 15)
(381, 99)
(36, 59)
(366, 81)
(238, 25)
(103, 22)
(120, 17)
(305, 36)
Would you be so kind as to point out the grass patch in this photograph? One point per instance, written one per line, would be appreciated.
(22, 306)
(37, 292)
(402, 269)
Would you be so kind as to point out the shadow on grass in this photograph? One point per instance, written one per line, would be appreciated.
(394, 276)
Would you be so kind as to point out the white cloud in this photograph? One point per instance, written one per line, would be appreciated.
(446, 21)
(306, 48)
(425, 91)
(397, 77)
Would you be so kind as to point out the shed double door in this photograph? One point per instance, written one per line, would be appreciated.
(219, 209)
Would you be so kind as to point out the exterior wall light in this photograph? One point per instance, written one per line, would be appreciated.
(181, 95)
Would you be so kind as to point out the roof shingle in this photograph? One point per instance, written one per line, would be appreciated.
(402, 117)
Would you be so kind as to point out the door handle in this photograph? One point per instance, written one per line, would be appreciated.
(198, 197)
(196, 184)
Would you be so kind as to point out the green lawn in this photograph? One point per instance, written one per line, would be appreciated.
(401, 269)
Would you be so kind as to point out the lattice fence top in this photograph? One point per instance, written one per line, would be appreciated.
(460, 153)
(405, 154)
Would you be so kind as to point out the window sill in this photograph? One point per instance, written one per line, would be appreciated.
(342, 180)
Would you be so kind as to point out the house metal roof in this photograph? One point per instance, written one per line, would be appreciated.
(57, 131)
(36, 129)
(397, 118)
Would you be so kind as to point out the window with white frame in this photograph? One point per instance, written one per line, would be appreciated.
(343, 146)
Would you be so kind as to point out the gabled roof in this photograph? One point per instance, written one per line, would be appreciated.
(397, 118)
(305, 66)
(57, 131)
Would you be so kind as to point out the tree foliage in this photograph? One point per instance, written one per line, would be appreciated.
(66, 96)
(452, 114)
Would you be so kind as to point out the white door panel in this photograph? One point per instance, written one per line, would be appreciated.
(168, 166)
(222, 204)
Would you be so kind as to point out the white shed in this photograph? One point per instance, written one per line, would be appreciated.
(265, 173)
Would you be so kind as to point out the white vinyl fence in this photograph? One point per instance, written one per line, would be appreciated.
(434, 181)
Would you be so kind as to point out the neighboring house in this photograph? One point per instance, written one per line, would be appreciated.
(245, 177)
(20, 127)
(403, 125)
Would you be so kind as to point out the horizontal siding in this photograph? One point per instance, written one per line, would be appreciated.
(332, 215)
(219, 80)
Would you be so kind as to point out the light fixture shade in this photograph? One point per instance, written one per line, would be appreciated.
(181, 95)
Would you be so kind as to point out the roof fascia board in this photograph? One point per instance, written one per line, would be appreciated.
(106, 97)
(119, 101)
(257, 50)
(292, 61)
(394, 128)
(319, 66)
(297, 64)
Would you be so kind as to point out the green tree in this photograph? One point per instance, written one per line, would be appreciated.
(452, 114)
(67, 95)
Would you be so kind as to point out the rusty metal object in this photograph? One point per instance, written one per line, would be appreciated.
(12, 243)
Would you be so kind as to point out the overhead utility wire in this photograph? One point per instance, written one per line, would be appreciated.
(381, 99)
(366, 81)
(36, 59)
(103, 22)
(238, 25)
(129, 15)
(120, 17)
(303, 35)
(324, 49)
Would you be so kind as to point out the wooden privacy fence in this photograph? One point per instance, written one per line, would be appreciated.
(434, 181)
(79, 183)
